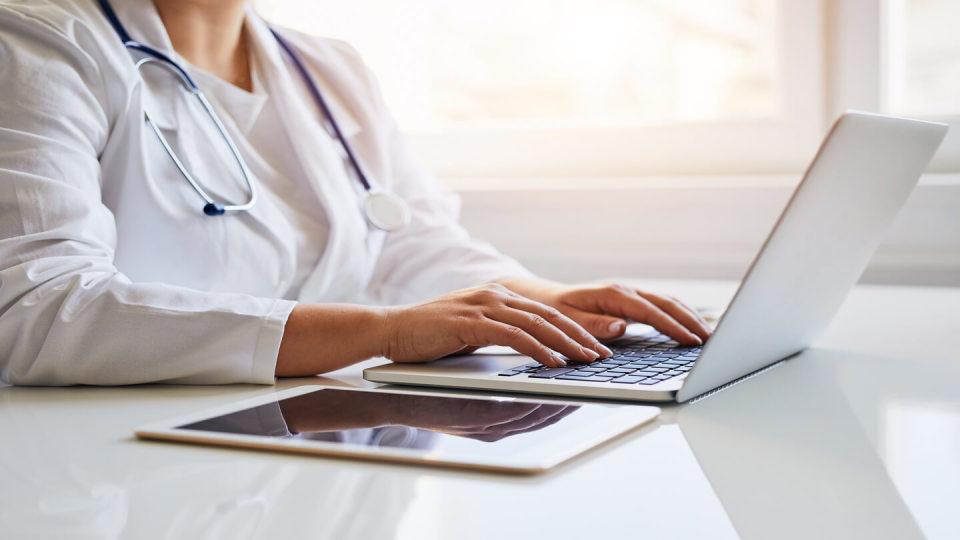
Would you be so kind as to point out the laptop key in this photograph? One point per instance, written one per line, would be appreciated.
(628, 379)
(550, 373)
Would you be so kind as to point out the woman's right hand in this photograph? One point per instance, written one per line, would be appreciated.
(465, 320)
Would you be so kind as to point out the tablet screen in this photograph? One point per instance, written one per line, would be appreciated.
(398, 420)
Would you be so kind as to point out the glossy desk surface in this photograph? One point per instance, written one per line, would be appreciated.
(859, 437)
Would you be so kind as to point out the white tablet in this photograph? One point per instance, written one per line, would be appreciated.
(507, 434)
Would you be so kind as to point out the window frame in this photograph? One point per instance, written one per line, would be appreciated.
(859, 71)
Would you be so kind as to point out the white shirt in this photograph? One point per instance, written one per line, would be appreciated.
(109, 271)
(275, 165)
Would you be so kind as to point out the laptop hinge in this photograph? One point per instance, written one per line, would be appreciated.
(750, 375)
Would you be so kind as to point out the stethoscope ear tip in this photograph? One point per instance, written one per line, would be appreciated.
(213, 209)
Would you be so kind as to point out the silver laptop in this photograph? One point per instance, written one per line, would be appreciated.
(866, 167)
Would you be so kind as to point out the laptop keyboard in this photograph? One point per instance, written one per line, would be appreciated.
(643, 361)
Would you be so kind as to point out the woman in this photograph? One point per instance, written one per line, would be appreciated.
(112, 274)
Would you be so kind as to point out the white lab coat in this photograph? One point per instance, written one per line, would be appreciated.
(109, 272)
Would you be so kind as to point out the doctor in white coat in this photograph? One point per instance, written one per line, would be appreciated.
(111, 273)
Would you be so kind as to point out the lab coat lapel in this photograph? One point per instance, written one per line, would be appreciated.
(142, 21)
(345, 265)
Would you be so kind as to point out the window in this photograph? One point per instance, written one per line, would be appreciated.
(560, 63)
(898, 57)
(586, 88)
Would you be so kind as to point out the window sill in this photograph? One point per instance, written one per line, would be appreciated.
(469, 184)
(690, 227)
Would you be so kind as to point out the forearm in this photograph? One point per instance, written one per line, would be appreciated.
(321, 338)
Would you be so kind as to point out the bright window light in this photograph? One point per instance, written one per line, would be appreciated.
(923, 47)
(455, 65)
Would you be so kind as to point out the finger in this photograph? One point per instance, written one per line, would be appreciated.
(680, 313)
(553, 419)
(531, 422)
(480, 416)
(536, 417)
(561, 414)
(493, 332)
(532, 417)
(545, 332)
(642, 310)
(601, 326)
(567, 325)
(696, 312)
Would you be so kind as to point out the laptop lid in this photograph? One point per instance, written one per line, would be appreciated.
(861, 176)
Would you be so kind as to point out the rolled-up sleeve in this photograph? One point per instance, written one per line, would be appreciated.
(67, 314)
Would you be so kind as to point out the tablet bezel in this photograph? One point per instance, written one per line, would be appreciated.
(621, 420)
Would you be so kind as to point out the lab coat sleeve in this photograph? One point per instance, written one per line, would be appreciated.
(67, 315)
(434, 254)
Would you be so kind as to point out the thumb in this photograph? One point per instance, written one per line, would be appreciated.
(601, 326)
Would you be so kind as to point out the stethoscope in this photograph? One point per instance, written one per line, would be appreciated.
(383, 209)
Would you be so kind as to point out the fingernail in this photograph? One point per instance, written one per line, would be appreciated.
(602, 349)
(559, 359)
(616, 327)
(593, 355)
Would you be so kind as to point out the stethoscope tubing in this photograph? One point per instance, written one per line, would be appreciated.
(322, 102)
(212, 208)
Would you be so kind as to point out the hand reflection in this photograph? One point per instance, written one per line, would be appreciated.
(483, 420)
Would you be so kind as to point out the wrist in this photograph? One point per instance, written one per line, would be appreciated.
(533, 288)
(318, 338)
(383, 325)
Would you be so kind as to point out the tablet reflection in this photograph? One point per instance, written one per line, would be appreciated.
(386, 419)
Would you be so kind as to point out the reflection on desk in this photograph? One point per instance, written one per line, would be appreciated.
(857, 437)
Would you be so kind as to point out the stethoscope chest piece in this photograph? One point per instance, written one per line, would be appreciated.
(386, 211)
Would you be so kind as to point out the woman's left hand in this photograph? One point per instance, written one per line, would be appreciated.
(604, 310)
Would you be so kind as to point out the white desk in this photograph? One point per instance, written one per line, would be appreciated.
(857, 438)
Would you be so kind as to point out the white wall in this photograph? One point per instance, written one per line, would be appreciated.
(689, 228)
